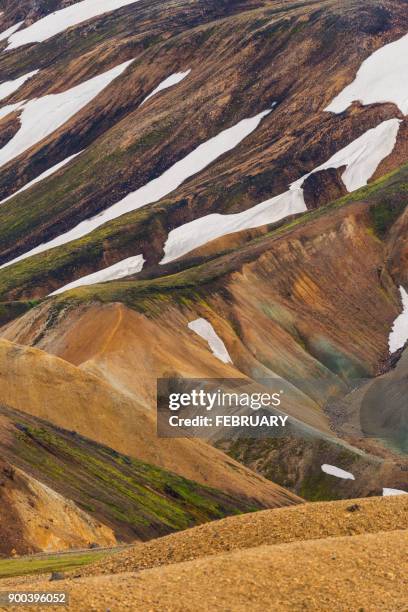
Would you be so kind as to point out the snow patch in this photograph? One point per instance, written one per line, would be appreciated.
(172, 80)
(196, 233)
(121, 269)
(338, 472)
(10, 108)
(381, 78)
(158, 188)
(399, 332)
(59, 21)
(7, 33)
(389, 492)
(42, 116)
(9, 87)
(42, 176)
(206, 331)
(361, 158)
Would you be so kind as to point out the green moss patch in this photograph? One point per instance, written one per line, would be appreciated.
(48, 563)
(137, 499)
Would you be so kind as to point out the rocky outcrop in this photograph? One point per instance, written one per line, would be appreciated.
(323, 187)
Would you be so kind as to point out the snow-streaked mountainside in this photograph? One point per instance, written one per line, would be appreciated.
(9, 31)
(61, 20)
(196, 233)
(44, 175)
(198, 190)
(381, 78)
(41, 117)
(9, 87)
(361, 159)
(206, 331)
(173, 79)
(158, 188)
(121, 269)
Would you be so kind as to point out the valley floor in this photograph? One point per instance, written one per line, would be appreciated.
(347, 555)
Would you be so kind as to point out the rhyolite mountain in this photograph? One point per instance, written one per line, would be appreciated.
(242, 163)
(61, 490)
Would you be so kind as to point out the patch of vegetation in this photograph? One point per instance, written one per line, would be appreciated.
(303, 475)
(384, 216)
(12, 310)
(135, 498)
(48, 563)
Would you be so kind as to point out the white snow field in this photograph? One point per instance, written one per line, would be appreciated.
(338, 472)
(388, 492)
(42, 116)
(362, 157)
(156, 189)
(381, 78)
(9, 87)
(121, 269)
(399, 332)
(7, 33)
(43, 176)
(205, 330)
(196, 233)
(172, 80)
(9, 108)
(61, 20)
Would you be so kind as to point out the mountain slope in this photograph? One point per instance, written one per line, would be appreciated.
(293, 311)
(210, 160)
(312, 521)
(127, 146)
(36, 518)
(50, 388)
(69, 491)
(361, 568)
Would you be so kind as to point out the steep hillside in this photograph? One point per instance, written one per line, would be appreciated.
(50, 388)
(87, 493)
(337, 267)
(258, 129)
(204, 189)
(36, 518)
(240, 164)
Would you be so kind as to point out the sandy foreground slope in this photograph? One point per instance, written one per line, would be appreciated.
(269, 527)
(363, 572)
(338, 556)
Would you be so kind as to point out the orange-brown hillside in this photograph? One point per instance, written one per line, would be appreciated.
(53, 389)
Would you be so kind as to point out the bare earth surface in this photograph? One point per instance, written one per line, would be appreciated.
(269, 527)
(337, 556)
(365, 572)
